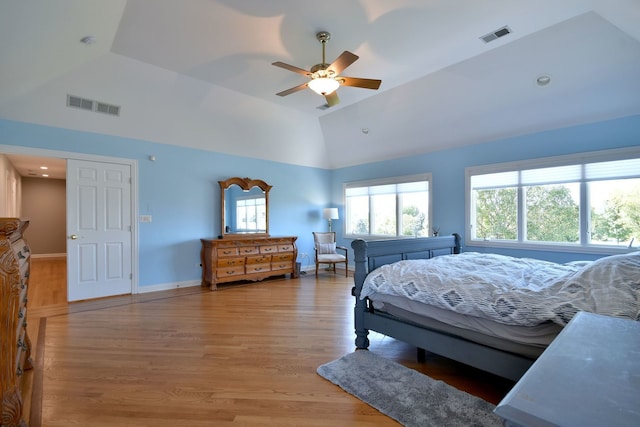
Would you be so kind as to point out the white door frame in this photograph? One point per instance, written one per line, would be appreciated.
(133, 164)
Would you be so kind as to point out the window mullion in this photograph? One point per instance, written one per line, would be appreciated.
(398, 214)
(371, 216)
(522, 211)
(585, 214)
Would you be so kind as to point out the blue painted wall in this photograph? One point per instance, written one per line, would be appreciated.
(180, 188)
(448, 168)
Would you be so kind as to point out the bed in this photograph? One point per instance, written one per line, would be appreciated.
(503, 335)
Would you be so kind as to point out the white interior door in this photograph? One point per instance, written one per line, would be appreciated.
(99, 236)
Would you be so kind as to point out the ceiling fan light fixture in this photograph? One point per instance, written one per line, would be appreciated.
(324, 85)
(325, 78)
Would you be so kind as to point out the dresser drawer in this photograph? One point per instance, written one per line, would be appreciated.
(230, 262)
(270, 249)
(285, 248)
(262, 259)
(282, 265)
(222, 252)
(237, 270)
(282, 257)
(258, 268)
(248, 250)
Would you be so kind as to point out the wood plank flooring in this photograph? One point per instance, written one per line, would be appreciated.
(243, 355)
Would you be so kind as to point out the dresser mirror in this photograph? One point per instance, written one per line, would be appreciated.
(244, 208)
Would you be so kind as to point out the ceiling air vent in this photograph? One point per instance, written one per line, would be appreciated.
(501, 32)
(101, 107)
(77, 102)
(90, 105)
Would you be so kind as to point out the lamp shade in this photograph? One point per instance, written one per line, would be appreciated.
(323, 85)
(330, 213)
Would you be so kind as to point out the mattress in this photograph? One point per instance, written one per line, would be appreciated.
(515, 291)
(529, 341)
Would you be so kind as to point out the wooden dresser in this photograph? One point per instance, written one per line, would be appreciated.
(15, 346)
(230, 260)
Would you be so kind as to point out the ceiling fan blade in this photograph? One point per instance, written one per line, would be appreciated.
(332, 99)
(292, 68)
(293, 89)
(358, 82)
(343, 61)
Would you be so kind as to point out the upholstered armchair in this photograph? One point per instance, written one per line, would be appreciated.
(326, 251)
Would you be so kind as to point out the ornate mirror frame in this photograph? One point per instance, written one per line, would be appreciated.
(246, 184)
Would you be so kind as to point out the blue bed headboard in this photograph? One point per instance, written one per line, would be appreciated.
(375, 253)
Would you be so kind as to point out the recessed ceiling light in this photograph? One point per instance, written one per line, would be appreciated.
(46, 175)
(88, 39)
(44, 168)
(543, 80)
(365, 131)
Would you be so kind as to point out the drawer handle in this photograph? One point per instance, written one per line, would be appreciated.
(248, 251)
(268, 249)
(230, 262)
(227, 252)
(21, 314)
(230, 271)
(19, 371)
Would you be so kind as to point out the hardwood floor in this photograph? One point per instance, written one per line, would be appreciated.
(245, 354)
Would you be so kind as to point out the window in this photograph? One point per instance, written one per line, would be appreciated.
(251, 214)
(590, 201)
(393, 207)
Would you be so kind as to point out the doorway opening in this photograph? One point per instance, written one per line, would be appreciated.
(50, 235)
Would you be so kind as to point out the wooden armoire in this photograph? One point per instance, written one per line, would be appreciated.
(15, 346)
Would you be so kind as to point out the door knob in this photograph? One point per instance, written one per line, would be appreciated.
(73, 237)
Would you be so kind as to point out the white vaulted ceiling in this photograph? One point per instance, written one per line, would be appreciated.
(198, 73)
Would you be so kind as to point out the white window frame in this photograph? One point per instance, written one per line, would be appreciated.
(547, 162)
(387, 181)
(245, 199)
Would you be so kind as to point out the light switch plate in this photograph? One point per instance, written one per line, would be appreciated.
(145, 218)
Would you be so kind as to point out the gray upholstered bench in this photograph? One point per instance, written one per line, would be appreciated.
(588, 376)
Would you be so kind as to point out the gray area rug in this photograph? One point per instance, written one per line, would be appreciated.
(409, 397)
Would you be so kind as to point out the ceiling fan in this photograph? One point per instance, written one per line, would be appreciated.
(325, 78)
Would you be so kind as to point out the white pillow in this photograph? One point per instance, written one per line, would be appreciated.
(327, 248)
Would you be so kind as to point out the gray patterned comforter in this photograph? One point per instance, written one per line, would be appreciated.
(515, 291)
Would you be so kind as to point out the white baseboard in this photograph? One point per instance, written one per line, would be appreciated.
(167, 286)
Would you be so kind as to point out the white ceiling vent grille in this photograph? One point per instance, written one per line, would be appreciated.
(101, 107)
(77, 102)
(90, 105)
(501, 32)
